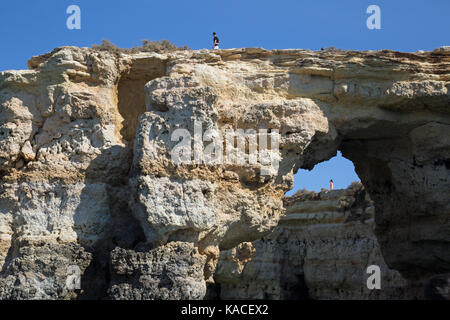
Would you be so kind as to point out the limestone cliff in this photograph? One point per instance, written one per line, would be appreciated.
(320, 249)
(87, 174)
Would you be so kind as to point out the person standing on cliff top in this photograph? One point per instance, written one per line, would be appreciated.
(215, 41)
(331, 184)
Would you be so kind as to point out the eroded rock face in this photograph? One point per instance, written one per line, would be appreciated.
(40, 271)
(86, 140)
(320, 249)
(170, 272)
(406, 178)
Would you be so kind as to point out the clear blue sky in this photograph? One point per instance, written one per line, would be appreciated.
(35, 27)
(340, 169)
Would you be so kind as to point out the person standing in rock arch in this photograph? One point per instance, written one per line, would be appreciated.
(331, 184)
(215, 41)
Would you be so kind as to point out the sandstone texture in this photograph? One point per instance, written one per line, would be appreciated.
(320, 249)
(87, 174)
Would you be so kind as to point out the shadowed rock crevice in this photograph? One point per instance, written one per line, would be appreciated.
(108, 192)
(131, 94)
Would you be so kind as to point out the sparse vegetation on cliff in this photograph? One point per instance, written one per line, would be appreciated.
(147, 46)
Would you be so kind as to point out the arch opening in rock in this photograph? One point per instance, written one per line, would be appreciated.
(338, 168)
(321, 247)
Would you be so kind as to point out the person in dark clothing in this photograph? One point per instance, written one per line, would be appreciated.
(215, 41)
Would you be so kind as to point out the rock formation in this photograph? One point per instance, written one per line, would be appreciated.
(173, 271)
(320, 249)
(87, 174)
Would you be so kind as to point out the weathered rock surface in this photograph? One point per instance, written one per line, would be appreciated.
(40, 272)
(320, 249)
(173, 271)
(86, 141)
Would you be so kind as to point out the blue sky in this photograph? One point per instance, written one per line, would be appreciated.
(340, 169)
(35, 27)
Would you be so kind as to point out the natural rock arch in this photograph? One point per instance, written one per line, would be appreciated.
(387, 111)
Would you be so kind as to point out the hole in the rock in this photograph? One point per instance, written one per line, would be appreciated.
(131, 93)
(338, 169)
